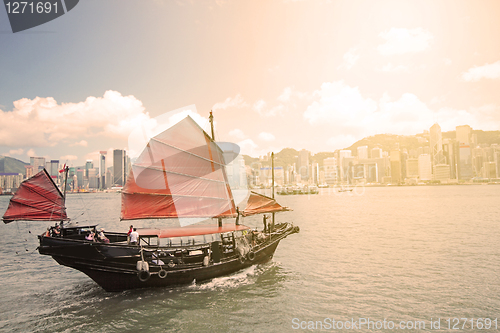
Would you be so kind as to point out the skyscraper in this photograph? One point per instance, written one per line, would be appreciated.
(363, 152)
(424, 167)
(38, 163)
(396, 166)
(102, 169)
(119, 160)
(463, 134)
(54, 169)
(303, 164)
(436, 143)
(465, 162)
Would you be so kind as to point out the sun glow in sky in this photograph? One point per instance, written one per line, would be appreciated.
(310, 74)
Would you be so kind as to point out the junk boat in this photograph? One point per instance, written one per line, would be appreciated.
(180, 174)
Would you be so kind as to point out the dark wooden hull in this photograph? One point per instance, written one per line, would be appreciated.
(114, 266)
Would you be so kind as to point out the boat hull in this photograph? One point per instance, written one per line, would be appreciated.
(114, 266)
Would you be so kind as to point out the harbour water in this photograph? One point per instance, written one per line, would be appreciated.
(395, 253)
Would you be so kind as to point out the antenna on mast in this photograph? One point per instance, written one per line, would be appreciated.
(211, 120)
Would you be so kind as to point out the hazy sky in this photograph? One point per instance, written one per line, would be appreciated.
(311, 74)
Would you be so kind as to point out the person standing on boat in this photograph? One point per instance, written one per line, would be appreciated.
(134, 237)
(129, 232)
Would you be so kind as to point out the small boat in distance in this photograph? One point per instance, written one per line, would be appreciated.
(345, 189)
(180, 174)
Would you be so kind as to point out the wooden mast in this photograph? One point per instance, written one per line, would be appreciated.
(272, 186)
(211, 120)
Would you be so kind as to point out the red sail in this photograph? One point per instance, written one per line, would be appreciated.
(180, 174)
(37, 199)
(259, 204)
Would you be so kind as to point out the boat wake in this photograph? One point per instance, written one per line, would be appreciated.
(235, 280)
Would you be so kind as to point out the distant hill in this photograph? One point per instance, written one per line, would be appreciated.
(387, 142)
(12, 165)
(392, 141)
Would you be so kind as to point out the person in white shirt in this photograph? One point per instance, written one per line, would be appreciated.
(134, 237)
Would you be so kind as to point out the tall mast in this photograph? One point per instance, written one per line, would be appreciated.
(272, 179)
(66, 169)
(211, 120)
(272, 174)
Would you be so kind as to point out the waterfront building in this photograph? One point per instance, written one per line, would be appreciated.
(424, 167)
(463, 134)
(102, 169)
(441, 173)
(53, 169)
(450, 151)
(363, 152)
(38, 163)
(376, 152)
(93, 178)
(119, 168)
(412, 168)
(303, 164)
(29, 171)
(465, 162)
(10, 181)
(80, 175)
(489, 170)
(330, 169)
(436, 145)
(395, 158)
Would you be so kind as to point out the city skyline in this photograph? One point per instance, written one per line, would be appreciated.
(316, 75)
(461, 156)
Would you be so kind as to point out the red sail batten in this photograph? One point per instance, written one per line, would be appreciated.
(37, 199)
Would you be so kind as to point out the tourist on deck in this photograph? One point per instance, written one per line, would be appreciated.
(134, 237)
(101, 237)
(56, 231)
(90, 236)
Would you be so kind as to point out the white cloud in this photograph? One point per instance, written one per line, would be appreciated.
(395, 68)
(248, 147)
(350, 59)
(19, 151)
(401, 40)
(259, 106)
(488, 71)
(340, 141)
(285, 95)
(82, 143)
(65, 158)
(31, 153)
(266, 136)
(338, 103)
(447, 62)
(42, 122)
(237, 134)
(234, 102)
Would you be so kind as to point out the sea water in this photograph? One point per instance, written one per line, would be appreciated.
(374, 256)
